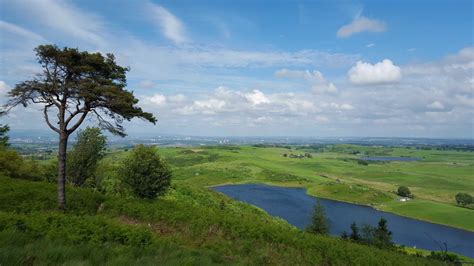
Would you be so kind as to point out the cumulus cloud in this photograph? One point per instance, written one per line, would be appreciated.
(157, 99)
(361, 24)
(171, 27)
(256, 97)
(316, 78)
(382, 72)
(252, 106)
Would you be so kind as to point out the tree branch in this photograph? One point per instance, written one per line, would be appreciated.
(45, 111)
(78, 123)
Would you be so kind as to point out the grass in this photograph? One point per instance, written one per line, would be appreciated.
(188, 226)
(335, 174)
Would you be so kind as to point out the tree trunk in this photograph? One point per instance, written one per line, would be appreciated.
(63, 136)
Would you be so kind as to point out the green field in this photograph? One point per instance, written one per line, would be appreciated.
(334, 173)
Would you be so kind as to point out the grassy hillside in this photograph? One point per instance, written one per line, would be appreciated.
(190, 225)
(335, 173)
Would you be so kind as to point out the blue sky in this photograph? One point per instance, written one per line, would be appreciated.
(302, 68)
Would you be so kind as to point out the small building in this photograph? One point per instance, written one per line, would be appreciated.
(403, 199)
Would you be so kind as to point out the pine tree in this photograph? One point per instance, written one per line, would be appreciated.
(383, 236)
(319, 222)
(355, 235)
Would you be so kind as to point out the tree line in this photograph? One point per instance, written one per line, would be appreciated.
(379, 236)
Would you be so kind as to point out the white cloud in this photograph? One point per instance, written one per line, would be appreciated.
(210, 106)
(64, 17)
(4, 89)
(171, 27)
(382, 72)
(342, 106)
(361, 24)
(370, 45)
(316, 78)
(15, 29)
(256, 97)
(158, 99)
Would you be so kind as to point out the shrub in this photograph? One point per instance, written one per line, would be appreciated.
(85, 154)
(10, 162)
(449, 258)
(145, 173)
(403, 191)
(463, 199)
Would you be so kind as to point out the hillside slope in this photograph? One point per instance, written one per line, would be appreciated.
(188, 226)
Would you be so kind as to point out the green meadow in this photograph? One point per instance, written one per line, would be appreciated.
(334, 172)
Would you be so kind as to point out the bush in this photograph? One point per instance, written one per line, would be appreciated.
(145, 173)
(449, 258)
(463, 199)
(10, 162)
(84, 156)
(13, 165)
(403, 191)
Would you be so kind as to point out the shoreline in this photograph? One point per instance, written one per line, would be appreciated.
(355, 203)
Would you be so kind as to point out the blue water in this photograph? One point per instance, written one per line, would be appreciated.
(295, 206)
(390, 159)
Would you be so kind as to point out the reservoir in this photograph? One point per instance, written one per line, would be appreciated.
(295, 206)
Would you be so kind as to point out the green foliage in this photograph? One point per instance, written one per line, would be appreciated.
(85, 154)
(378, 236)
(3, 134)
(464, 199)
(319, 222)
(12, 164)
(188, 226)
(355, 235)
(146, 174)
(94, 83)
(449, 258)
(383, 236)
(403, 191)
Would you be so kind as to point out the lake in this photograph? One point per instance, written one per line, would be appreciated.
(390, 159)
(295, 206)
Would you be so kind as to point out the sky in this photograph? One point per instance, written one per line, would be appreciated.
(264, 68)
